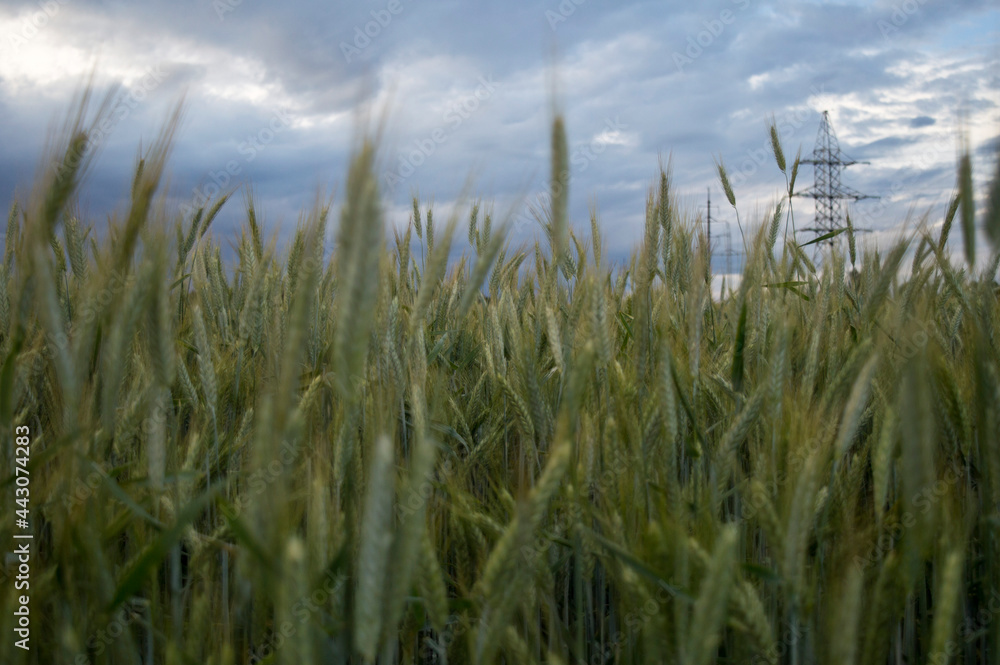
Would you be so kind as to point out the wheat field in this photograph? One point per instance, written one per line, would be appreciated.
(356, 451)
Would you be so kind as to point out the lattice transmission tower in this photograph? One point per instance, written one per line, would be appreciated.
(828, 190)
(729, 252)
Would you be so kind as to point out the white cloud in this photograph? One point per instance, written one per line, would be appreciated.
(787, 59)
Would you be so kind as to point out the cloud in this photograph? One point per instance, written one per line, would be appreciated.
(882, 75)
(989, 149)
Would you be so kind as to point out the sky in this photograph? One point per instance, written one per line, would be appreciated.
(274, 95)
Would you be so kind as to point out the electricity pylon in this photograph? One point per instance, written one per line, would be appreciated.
(828, 190)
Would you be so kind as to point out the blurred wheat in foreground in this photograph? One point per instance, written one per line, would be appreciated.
(293, 458)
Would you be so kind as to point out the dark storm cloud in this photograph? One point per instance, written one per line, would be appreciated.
(688, 81)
